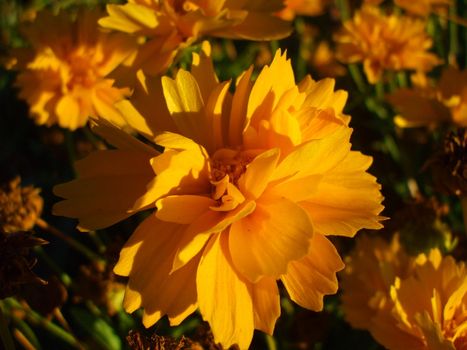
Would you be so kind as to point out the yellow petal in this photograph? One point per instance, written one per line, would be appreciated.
(237, 121)
(68, 112)
(108, 190)
(310, 278)
(129, 18)
(258, 173)
(267, 240)
(147, 258)
(224, 299)
(182, 209)
(185, 103)
(347, 199)
(266, 304)
(197, 233)
(315, 156)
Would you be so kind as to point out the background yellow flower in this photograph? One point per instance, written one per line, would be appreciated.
(406, 302)
(385, 42)
(63, 75)
(166, 26)
(247, 189)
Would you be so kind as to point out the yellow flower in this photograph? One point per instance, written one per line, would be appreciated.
(385, 42)
(370, 271)
(423, 7)
(247, 188)
(421, 305)
(323, 59)
(302, 8)
(63, 75)
(428, 104)
(166, 26)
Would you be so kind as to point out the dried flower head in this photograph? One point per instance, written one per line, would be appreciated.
(20, 207)
(449, 167)
(385, 42)
(63, 76)
(247, 188)
(16, 263)
(430, 104)
(166, 26)
(414, 303)
(138, 341)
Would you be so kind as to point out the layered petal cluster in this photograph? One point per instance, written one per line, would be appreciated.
(422, 304)
(164, 26)
(302, 8)
(385, 42)
(63, 76)
(247, 189)
(430, 104)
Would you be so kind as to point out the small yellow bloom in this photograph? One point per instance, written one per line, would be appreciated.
(247, 188)
(166, 26)
(430, 104)
(63, 75)
(421, 304)
(323, 59)
(385, 42)
(302, 8)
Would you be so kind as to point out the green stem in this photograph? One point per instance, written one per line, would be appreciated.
(402, 79)
(270, 342)
(98, 242)
(69, 240)
(344, 9)
(27, 332)
(357, 77)
(64, 277)
(37, 320)
(5, 334)
(453, 35)
(379, 88)
(464, 211)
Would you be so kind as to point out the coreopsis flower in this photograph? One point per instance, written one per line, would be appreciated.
(430, 104)
(63, 76)
(430, 307)
(385, 42)
(414, 303)
(423, 7)
(302, 8)
(323, 59)
(247, 189)
(20, 206)
(165, 26)
(370, 271)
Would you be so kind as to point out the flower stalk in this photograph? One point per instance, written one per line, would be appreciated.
(5, 334)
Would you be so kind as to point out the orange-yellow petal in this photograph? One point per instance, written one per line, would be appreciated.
(307, 280)
(264, 242)
(224, 298)
(266, 304)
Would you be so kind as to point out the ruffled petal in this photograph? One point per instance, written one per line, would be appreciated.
(224, 298)
(266, 304)
(146, 258)
(347, 199)
(307, 280)
(267, 240)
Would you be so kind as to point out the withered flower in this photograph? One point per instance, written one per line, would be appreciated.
(20, 207)
(138, 341)
(449, 167)
(16, 262)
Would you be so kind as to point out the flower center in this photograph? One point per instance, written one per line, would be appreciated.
(227, 167)
(82, 72)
